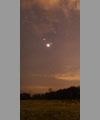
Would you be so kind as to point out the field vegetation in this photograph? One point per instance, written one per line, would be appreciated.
(50, 110)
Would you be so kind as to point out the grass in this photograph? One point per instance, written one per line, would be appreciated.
(50, 110)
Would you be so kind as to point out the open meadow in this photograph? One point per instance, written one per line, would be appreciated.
(49, 110)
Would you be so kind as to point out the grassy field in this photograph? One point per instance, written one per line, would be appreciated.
(50, 110)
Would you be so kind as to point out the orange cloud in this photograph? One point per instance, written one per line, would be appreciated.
(71, 76)
(45, 4)
(52, 4)
(74, 4)
(68, 77)
(48, 4)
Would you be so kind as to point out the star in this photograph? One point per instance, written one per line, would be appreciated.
(44, 39)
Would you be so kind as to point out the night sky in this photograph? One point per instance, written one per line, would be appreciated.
(49, 44)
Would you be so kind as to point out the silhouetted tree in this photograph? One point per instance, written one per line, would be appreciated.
(25, 96)
(72, 93)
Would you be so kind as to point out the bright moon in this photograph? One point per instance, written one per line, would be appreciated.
(48, 45)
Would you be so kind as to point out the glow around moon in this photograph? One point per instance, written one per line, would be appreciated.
(48, 45)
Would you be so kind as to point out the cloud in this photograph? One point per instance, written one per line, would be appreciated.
(45, 4)
(67, 77)
(48, 4)
(74, 4)
(69, 5)
(65, 5)
(71, 76)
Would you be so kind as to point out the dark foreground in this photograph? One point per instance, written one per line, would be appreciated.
(50, 110)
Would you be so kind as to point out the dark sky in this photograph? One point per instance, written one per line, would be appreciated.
(50, 44)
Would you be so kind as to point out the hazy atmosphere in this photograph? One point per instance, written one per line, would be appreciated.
(49, 45)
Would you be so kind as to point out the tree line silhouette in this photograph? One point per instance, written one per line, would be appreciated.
(72, 93)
